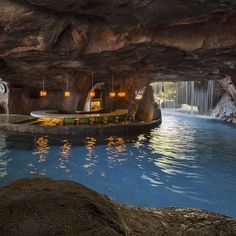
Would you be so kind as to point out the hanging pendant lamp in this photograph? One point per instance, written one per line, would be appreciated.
(112, 94)
(122, 93)
(43, 92)
(92, 93)
(67, 93)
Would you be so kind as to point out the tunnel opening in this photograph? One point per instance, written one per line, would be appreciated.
(195, 97)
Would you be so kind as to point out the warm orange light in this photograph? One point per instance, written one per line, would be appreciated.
(43, 93)
(121, 94)
(112, 94)
(67, 93)
(92, 94)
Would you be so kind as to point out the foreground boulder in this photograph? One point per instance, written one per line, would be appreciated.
(46, 207)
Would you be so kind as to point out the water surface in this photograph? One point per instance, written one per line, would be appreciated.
(189, 161)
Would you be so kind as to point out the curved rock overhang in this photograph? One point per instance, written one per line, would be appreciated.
(156, 40)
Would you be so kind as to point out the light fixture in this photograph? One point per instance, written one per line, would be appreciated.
(112, 94)
(92, 93)
(67, 93)
(121, 94)
(43, 93)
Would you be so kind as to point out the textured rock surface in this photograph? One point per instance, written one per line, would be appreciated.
(4, 99)
(145, 110)
(156, 111)
(160, 40)
(139, 41)
(46, 207)
(225, 108)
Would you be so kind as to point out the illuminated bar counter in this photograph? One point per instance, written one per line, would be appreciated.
(42, 123)
(55, 114)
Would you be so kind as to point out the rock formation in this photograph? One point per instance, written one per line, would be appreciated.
(156, 111)
(145, 110)
(143, 40)
(225, 100)
(46, 207)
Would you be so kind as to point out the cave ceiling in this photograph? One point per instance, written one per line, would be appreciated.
(155, 39)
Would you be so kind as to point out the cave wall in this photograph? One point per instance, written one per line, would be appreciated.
(4, 99)
(22, 101)
(160, 39)
(145, 41)
(225, 100)
(24, 97)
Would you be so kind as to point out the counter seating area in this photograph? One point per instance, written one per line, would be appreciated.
(82, 125)
(52, 117)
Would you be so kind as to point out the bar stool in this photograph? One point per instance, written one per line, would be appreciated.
(69, 121)
(105, 120)
(112, 119)
(83, 121)
(98, 120)
(122, 119)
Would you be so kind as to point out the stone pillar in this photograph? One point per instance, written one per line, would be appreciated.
(70, 103)
(145, 109)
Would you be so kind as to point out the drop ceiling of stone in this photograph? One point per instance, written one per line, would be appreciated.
(159, 39)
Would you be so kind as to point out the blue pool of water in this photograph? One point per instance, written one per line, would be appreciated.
(189, 161)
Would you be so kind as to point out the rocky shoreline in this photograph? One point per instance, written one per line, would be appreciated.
(43, 206)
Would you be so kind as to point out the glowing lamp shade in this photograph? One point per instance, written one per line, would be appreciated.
(92, 94)
(67, 93)
(121, 94)
(43, 93)
(112, 94)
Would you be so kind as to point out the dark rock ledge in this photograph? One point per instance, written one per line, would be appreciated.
(33, 207)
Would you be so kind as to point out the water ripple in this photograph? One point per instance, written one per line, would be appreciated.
(188, 161)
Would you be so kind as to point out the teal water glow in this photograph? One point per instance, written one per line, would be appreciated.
(189, 161)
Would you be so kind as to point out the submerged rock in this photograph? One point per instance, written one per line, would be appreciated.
(46, 207)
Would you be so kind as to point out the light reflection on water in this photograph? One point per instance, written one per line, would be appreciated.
(188, 162)
(42, 148)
